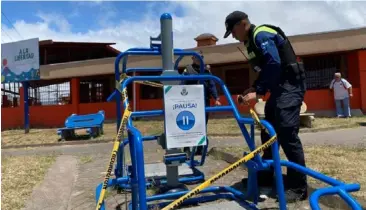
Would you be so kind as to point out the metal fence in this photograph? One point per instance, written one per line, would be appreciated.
(10, 94)
(320, 70)
(52, 94)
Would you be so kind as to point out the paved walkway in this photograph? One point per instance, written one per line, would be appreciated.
(55, 190)
(352, 136)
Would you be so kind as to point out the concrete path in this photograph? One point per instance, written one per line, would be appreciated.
(352, 136)
(55, 190)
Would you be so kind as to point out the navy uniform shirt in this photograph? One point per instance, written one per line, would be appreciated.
(270, 72)
(269, 78)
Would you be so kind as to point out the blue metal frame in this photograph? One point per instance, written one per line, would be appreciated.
(147, 51)
(135, 179)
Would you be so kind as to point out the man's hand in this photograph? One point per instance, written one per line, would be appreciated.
(245, 100)
(217, 103)
(249, 97)
(351, 95)
(240, 100)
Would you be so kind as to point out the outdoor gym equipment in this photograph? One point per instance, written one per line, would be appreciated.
(93, 123)
(138, 177)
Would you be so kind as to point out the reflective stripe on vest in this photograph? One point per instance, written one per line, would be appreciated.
(260, 29)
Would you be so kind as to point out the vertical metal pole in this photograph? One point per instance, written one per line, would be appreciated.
(134, 175)
(167, 51)
(26, 107)
(278, 176)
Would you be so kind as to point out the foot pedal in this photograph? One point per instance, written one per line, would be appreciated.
(175, 159)
(158, 170)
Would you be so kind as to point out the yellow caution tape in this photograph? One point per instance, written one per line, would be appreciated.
(222, 173)
(227, 170)
(117, 142)
(176, 203)
(153, 84)
(256, 119)
(126, 115)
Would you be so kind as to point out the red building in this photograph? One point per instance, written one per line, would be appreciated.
(78, 77)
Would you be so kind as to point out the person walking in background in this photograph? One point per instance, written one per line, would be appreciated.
(209, 88)
(342, 92)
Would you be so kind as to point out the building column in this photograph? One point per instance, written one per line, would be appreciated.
(362, 75)
(75, 95)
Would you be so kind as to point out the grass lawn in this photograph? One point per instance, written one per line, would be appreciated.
(19, 175)
(343, 163)
(216, 127)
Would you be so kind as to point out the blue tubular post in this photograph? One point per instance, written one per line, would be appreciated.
(193, 77)
(129, 70)
(134, 174)
(310, 172)
(124, 56)
(348, 198)
(338, 185)
(277, 166)
(314, 198)
(119, 171)
(179, 59)
(139, 160)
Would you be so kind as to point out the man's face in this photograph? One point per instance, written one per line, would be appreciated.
(337, 78)
(196, 60)
(240, 31)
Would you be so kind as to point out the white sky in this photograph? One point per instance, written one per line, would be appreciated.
(294, 17)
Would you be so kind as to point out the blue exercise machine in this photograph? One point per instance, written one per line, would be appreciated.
(138, 176)
(93, 123)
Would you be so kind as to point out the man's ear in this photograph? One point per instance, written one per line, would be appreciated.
(246, 24)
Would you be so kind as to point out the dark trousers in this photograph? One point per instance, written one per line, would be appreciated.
(286, 122)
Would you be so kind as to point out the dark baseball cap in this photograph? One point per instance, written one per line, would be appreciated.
(232, 19)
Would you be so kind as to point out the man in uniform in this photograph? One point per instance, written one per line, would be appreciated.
(271, 55)
(209, 86)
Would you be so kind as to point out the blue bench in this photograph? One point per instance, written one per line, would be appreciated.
(93, 123)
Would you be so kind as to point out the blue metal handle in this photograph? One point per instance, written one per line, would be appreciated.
(155, 52)
(141, 51)
(192, 77)
(110, 98)
(314, 198)
(136, 141)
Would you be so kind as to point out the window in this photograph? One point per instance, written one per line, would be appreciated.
(10, 94)
(58, 93)
(320, 69)
(95, 90)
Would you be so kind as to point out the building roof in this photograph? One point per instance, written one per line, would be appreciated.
(305, 44)
(50, 42)
(54, 43)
